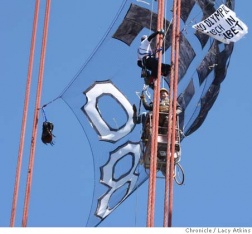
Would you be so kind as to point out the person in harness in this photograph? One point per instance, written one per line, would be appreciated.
(162, 130)
(163, 112)
(163, 109)
(147, 60)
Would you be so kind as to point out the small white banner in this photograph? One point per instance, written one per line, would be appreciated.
(223, 25)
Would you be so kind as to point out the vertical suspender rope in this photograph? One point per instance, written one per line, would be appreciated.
(153, 157)
(174, 122)
(172, 114)
(36, 116)
(25, 111)
(169, 132)
(175, 106)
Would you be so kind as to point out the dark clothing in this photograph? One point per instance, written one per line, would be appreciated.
(151, 63)
(147, 59)
(47, 135)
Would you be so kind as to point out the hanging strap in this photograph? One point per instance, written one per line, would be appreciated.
(44, 114)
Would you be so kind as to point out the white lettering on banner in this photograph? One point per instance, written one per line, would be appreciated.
(102, 128)
(128, 180)
(223, 25)
(108, 178)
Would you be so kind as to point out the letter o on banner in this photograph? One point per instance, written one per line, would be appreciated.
(105, 132)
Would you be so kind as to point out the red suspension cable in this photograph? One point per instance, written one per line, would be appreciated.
(172, 114)
(174, 122)
(25, 111)
(153, 158)
(36, 115)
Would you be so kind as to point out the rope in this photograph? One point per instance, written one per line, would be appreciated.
(50, 102)
(199, 13)
(25, 111)
(152, 6)
(36, 115)
(153, 157)
(172, 115)
(164, 59)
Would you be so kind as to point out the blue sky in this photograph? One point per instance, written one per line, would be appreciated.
(216, 158)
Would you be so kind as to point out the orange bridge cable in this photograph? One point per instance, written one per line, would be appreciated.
(174, 104)
(25, 111)
(36, 116)
(153, 158)
(168, 152)
(178, 2)
(172, 117)
(171, 125)
(151, 197)
(150, 210)
(159, 45)
(157, 109)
